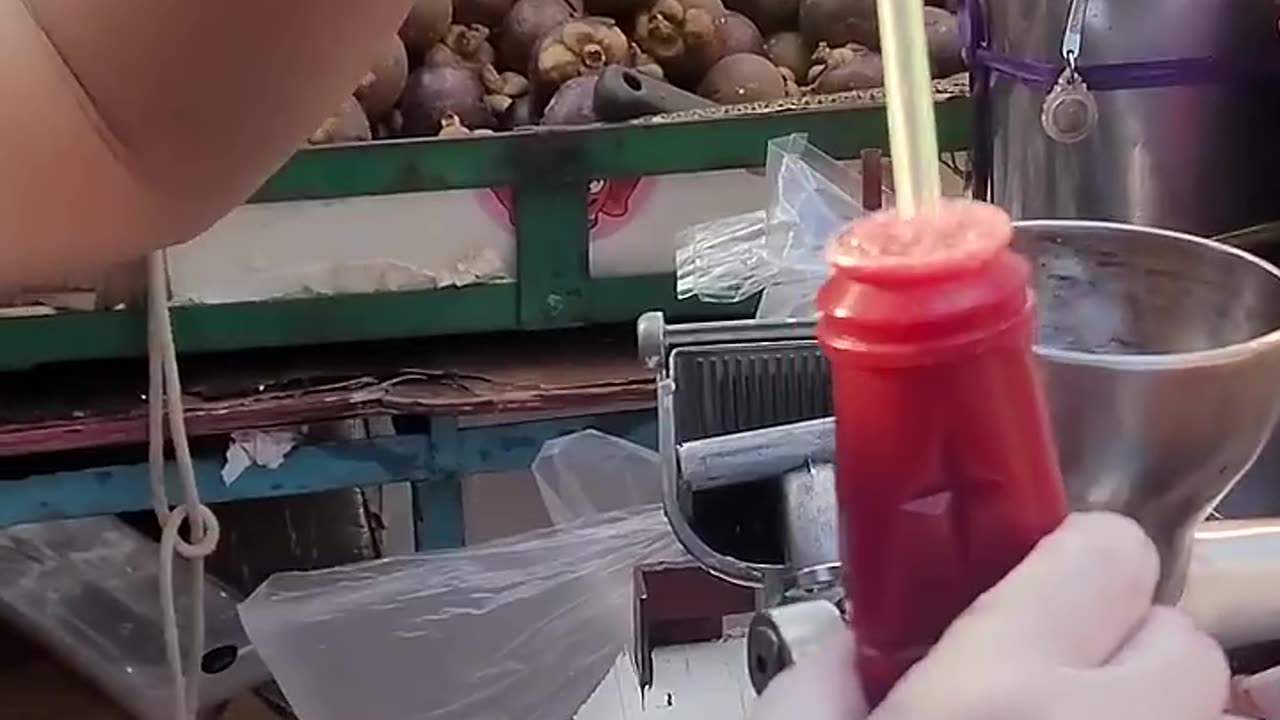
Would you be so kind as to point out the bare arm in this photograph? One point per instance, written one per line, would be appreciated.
(129, 125)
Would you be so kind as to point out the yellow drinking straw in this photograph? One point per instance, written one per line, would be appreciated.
(908, 85)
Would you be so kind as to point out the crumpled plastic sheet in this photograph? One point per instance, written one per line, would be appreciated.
(779, 253)
(520, 629)
(86, 589)
(589, 472)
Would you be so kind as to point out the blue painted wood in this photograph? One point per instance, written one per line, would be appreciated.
(124, 488)
(498, 448)
(437, 502)
(435, 462)
(441, 523)
(457, 452)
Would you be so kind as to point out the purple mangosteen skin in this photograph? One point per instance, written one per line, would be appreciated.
(574, 103)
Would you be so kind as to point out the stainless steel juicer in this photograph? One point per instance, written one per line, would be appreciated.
(1161, 359)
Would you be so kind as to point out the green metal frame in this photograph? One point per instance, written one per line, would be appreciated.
(548, 173)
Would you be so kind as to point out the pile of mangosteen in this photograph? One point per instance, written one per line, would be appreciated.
(460, 67)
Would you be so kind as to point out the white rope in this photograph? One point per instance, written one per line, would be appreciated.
(164, 396)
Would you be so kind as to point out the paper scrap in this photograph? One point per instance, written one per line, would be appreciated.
(263, 448)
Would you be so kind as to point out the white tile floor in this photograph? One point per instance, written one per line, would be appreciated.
(691, 682)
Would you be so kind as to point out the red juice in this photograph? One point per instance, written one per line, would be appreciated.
(946, 473)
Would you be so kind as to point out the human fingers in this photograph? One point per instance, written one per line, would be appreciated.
(821, 686)
(1257, 696)
(1168, 669)
(1072, 602)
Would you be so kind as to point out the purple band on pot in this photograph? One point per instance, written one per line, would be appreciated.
(1144, 74)
(985, 66)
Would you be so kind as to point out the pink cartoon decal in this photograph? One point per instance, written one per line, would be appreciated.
(610, 204)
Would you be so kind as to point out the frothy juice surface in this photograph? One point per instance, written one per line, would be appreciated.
(946, 470)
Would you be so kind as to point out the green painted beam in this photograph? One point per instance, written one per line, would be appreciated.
(623, 299)
(552, 261)
(548, 171)
(26, 342)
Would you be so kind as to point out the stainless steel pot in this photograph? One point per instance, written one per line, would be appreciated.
(1194, 150)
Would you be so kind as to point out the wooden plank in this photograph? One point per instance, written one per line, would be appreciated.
(553, 375)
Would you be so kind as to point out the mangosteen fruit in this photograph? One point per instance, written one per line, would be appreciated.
(643, 62)
(382, 85)
(743, 78)
(511, 84)
(576, 48)
(489, 13)
(521, 113)
(768, 15)
(790, 84)
(789, 50)
(432, 92)
(525, 25)
(502, 89)
(739, 35)
(390, 126)
(463, 46)
(614, 8)
(574, 103)
(498, 104)
(683, 36)
(427, 23)
(946, 46)
(441, 56)
(840, 22)
(851, 67)
(348, 124)
(451, 126)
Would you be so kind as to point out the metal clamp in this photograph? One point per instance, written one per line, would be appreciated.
(1073, 35)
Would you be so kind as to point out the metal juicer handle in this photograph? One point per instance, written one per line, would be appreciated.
(723, 566)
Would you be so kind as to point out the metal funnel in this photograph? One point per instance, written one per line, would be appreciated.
(1161, 355)
(1161, 358)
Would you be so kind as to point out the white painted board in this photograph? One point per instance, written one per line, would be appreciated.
(691, 682)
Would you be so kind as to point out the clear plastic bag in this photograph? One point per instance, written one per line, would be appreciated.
(589, 473)
(782, 251)
(520, 629)
(724, 260)
(516, 629)
(87, 589)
